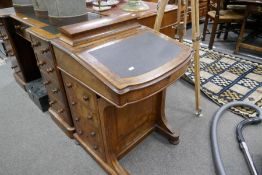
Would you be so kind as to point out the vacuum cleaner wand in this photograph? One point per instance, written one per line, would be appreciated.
(214, 141)
(242, 142)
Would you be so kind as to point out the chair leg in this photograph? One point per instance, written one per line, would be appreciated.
(213, 34)
(227, 29)
(219, 30)
(205, 28)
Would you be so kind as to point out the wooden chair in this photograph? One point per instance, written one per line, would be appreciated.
(219, 16)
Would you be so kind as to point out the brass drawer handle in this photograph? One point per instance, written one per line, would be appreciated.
(49, 70)
(69, 85)
(52, 102)
(36, 44)
(43, 51)
(93, 133)
(46, 82)
(41, 63)
(60, 111)
(85, 98)
(55, 90)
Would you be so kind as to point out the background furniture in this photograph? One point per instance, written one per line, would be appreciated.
(253, 7)
(218, 16)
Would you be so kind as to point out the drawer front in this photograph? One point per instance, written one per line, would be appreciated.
(20, 29)
(84, 114)
(91, 136)
(53, 88)
(42, 49)
(169, 31)
(47, 68)
(60, 109)
(79, 93)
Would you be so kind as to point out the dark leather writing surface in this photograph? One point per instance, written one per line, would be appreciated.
(137, 55)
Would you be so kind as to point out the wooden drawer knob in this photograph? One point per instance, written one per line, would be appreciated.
(69, 85)
(36, 44)
(85, 98)
(89, 117)
(55, 90)
(80, 132)
(41, 63)
(46, 82)
(73, 103)
(77, 119)
(43, 51)
(60, 111)
(52, 102)
(93, 133)
(49, 70)
(5, 38)
(95, 147)
(10, 52)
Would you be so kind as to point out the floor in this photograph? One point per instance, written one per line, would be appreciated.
(31, 143)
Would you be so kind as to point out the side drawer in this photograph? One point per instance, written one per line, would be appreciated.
(53, 88)
(60, 109)
(84, 114)
(42, 49)
(79, 92)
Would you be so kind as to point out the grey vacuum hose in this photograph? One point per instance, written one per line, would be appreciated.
(214, 141)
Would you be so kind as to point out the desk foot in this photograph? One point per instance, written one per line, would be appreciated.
(115, 165)
(162, 126)
(172, 137)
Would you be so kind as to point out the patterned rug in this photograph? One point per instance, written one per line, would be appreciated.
(225, 78)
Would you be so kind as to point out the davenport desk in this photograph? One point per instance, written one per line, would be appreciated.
(30, 39)
(115, 84)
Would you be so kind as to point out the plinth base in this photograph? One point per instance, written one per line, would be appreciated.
(19, 80)
(67, 129)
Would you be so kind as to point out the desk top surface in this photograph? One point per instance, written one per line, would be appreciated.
(135, 55)
(134, 59)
